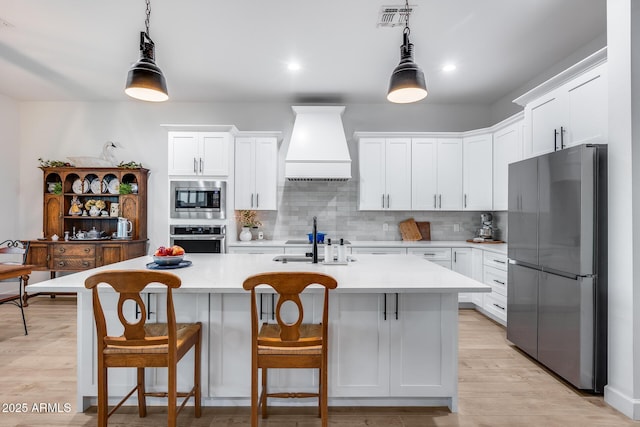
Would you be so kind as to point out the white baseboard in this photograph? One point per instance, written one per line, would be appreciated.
(623, 403)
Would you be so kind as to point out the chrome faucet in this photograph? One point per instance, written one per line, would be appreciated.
(314, 236)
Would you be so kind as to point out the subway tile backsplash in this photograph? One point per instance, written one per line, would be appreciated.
(335, 205)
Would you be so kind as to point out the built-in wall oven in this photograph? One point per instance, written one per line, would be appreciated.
(203, 199)
(199, 239)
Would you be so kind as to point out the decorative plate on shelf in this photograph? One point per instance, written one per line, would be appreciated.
(95, 186)
(80, 186)
(114, 186)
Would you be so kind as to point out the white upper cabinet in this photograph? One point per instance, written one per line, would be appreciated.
(569, 109)
(424, 174)
(436, 171)
(199, 153)
(477, 172)
(385, 173)
(507, 148)
(256, 169)
(450, 174)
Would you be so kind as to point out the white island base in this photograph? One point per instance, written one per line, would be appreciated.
(393, 332)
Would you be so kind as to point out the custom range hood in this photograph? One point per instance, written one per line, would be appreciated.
(318, 148)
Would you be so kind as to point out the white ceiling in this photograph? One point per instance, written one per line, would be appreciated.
(236, 50)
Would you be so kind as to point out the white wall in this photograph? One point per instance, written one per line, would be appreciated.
(623, 389)
(10, 189)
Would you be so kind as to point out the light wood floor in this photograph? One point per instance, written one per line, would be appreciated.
(499, 386)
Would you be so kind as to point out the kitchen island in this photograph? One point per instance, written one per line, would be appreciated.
(393, 329)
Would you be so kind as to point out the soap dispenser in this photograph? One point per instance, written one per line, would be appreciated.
(342, 254)
(328, 252)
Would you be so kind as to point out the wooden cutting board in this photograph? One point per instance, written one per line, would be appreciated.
(425, 229)
(409, 230)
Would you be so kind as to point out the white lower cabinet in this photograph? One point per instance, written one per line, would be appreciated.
(440, 256)
(495, 275)
(256, 250)
(462, 264)
(379, 250)
(477, 260)
(382, 345)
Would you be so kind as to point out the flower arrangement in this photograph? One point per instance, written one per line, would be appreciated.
(100, 204)
(248, 218)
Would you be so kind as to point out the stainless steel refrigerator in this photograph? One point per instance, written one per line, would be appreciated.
(557, 272)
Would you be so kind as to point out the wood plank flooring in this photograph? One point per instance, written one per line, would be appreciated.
(499, 386)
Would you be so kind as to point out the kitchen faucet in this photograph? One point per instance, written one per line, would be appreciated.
(314, 236)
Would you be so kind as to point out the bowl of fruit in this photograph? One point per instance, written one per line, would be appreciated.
(169, 255)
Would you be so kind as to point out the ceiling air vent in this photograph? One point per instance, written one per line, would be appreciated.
(393, 16)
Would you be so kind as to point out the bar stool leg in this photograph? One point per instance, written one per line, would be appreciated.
(263, 401)
(142, 400)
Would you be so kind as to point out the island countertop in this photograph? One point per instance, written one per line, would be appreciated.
(224, 273)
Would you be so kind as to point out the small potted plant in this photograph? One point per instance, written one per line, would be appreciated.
(247, 219)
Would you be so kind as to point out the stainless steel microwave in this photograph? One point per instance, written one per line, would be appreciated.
(201, 199)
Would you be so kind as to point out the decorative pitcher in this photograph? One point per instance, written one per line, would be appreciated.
(125, 227)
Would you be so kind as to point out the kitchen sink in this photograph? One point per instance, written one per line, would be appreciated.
(301, 258)
(307, 242)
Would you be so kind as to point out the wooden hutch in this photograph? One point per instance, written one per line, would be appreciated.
(79, 185)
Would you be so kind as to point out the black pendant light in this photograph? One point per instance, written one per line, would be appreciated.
(145, 80)
(407, 81)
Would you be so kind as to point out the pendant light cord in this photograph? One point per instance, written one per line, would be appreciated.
(406, 17)
(146, 21)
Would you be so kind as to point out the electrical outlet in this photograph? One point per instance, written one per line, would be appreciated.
(385, 227)
(456, 227)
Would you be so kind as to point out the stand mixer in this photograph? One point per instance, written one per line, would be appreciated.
(486, 231)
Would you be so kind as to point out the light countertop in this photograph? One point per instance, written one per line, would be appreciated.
(224, 273)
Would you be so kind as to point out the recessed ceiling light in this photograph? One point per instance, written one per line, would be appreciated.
(447, 68)
(293, 66)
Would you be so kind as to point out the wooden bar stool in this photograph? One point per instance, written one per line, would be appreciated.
(143, 345)
(288, 345)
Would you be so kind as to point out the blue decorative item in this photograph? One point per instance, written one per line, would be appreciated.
(319, 238)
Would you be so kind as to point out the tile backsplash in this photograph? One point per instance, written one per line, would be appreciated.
(335, 205)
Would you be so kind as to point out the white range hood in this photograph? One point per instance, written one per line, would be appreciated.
(318, 148)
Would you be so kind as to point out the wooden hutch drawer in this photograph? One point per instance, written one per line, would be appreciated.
(73, 250)
(73, 264)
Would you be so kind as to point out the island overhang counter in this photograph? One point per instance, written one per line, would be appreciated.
(393, 332)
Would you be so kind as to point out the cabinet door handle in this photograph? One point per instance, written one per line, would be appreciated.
(555, 140)
(201, 163)
(455, 256)
(383, 201)
(429, 254)
(499, 306)
(257, 200)
(60, 263)
(499, 261)
(435, 202)
(61, 250)
(87, 250)
(465, 200)
(388, 205)
(440, 201)
(397, 306)
(251, 199)
(562, 137)
(498, 282)
(195, 165)
(384, 312)
(85, 263)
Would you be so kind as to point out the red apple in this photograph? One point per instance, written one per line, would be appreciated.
(161, 251)
(177, 250)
